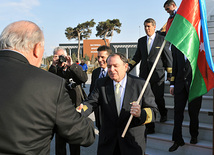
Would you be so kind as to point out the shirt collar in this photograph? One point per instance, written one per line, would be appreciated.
(105, 69)
(122, 82)
(153, 36)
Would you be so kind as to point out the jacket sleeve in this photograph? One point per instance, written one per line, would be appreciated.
(91, 102)
(149, 108)
(77, 74)
(53, 69)
(71, 125)
(174, 66)
(167, 59)
(136, 58)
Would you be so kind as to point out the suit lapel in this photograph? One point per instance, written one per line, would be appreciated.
(110, 96)
(144, 45)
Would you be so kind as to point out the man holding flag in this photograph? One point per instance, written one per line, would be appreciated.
(193, 70)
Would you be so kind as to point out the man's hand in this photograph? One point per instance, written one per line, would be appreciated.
(135, 109)
(69, 61)
(171, 90)
(79, 108)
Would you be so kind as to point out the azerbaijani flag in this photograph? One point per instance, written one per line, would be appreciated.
(189, 33)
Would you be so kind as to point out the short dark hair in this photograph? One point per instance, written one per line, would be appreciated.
(150, 20)
(105, 48)
(169, 2)
(122, 57)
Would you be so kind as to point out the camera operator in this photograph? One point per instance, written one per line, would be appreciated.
(73, 73)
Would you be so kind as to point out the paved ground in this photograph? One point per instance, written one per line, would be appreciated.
(84, 150)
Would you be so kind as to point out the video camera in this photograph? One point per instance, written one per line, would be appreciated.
(62, 59)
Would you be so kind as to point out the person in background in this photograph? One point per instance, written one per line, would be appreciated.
(147, 50)
(34, 103)
(85, 69)
(114, 95)
(64, 67)
(77, 62)
(100, 72)
(179, 87)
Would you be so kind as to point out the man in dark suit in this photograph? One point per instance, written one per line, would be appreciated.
(147, 51)
(74, 75)
(179, 87)
(115, 105)
(100, 72)
(34, 103)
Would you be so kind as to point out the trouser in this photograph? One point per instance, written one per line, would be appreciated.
(158, 91)
(194, 106)
(60, 146)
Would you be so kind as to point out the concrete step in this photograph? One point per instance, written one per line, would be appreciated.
(203, 115)
(210, 23)
(162, 142)
(153, 151)
(210, 28)
(211, 42)
(205, 130)
(211, 35)
(207, 101)
(212, 17)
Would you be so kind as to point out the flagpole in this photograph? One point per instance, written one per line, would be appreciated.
(145, 86)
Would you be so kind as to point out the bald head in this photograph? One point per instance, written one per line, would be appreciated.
(21, 36)
(26, 38)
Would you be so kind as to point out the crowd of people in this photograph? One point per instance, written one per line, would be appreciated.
(36, 104)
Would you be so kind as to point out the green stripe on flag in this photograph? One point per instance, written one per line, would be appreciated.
(183, 35)
(198, 86)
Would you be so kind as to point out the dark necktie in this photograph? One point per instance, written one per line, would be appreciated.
(102, 73)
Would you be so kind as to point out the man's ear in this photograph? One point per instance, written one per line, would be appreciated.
(37, 51)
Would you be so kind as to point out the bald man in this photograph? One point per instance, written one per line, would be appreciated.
(34, 103)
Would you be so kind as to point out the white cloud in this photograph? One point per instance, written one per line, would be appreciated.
(13, 9)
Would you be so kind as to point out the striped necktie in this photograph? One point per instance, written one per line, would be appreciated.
(102, 73)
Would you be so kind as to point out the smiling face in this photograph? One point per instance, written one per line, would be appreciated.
(149, 29)
(102, 56)
(116, 68)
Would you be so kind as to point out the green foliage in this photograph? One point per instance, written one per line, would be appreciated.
(80, 31)
(86, 57)
(106, 28)
(74, 57)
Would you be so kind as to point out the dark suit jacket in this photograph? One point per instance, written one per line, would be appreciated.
(147, 61)
(112, 126)
(94, 77)
(34, 104)
(181, 73)
(78, 76)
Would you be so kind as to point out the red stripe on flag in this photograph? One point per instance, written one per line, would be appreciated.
(190, 10)
(203, 66)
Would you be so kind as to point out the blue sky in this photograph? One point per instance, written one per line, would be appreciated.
(54, 16)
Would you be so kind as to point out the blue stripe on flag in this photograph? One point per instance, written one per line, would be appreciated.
(205, 34)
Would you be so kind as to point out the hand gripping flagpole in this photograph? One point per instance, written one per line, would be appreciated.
(144, 87)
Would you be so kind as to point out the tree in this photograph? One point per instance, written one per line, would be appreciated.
(106, 28)
(81, 31)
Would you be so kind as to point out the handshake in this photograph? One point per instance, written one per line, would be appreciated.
(80, 107)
